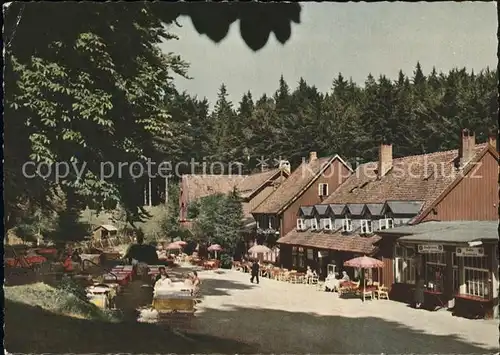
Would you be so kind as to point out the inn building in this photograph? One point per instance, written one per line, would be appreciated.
(373, 213)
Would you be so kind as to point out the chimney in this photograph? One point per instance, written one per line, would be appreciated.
(492, 140)
(312, 156)
(285, 166)
(467, 145)
(384, 159)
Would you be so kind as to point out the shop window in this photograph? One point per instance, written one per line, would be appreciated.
(404, 265)
(298, 257)
(310, 254)
(435, 266)
(476, 276)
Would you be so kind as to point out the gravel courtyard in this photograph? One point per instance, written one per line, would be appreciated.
(277, 317)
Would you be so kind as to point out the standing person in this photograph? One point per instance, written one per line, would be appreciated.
(419, 290)
(255, 271)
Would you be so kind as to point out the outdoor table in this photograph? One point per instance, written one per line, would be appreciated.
(33, 259)
(120, 278)
(433, 299)
(177, 297)
(45, 251)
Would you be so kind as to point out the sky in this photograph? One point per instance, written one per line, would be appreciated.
(352, 38)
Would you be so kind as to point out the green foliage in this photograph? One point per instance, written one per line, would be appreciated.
(169, 222)
(226, 261)
(73, 96)
(67, 284)
(220, 220)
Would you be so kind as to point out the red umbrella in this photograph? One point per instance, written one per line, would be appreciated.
(364, 262)
(215, 248)
(173, 246)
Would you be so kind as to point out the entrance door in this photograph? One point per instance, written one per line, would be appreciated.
(330, 268)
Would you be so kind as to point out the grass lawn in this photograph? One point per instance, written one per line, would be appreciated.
(42, 319)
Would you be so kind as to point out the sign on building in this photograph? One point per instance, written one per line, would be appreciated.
(430, 248)
(470, 251)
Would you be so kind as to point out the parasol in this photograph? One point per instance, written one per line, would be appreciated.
(259, 249)
(215, 248)
(173, 246)
(364, 262)
(181, 243)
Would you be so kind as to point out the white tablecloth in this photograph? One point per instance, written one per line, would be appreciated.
(174, 289)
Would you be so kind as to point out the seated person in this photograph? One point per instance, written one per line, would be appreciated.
(162, 279)
(188, 281)
(331, 282)
(195, 279)
(345, 277)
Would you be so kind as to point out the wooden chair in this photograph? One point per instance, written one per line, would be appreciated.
(382, 292)
(366, 293)
(320, 286)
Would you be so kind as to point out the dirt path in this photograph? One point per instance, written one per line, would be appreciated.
(285, 318)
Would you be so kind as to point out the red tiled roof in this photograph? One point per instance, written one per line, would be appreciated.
(198, 186)
(300, 178)
(413, 178)
(332, 241)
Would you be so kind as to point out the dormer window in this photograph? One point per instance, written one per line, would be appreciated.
(385, 223)
(314, 224)
(301, 224)
(346, 225)
(323, 190)
(366, 226)
(326, 224)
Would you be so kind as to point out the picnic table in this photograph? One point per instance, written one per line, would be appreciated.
(176, 297)
(32, 259)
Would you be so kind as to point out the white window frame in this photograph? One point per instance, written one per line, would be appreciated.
(313, 222)
(476, 277)
(270, 222)
(366, 226)
(321, 187)
(326, 224)
(385, 223)
(409, 268)
(301, 225)
(346, 225)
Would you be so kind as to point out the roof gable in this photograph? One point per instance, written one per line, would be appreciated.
(306, 211)
(374, 209)
(487, 149)
(355, 209)
(402, 207)
(321, 210)
(298, 182)
(336, 209)
(252, 184)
